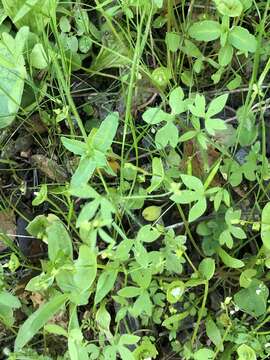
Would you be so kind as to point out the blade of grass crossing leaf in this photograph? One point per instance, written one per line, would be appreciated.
(37, 320)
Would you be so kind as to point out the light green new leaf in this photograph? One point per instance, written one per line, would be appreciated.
(217, 105)
(207, 268)
(193, 183)
(213, 333)
(265, 226)
(154, 116)
(212, 125)
(204, 354)
(12, 76)
(32, 13)
(105, 134)
(37, 320)
(75, 146)
(85, 268)
(158, 174)
(230, 8)
(197, 210)
(41, 195)
(38, 57)
(83, 172)
(105, 283)
(225, 55)
(168, 134)
(59, 242)
(9, 300)
(242, 40)
(176, 101)
(228, 260)
(172, 41)
(245, 352)
(206, 30)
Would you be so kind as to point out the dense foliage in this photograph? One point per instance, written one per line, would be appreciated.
(134, 179)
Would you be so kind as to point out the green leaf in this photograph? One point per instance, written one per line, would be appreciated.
(238, 232)
(12, 77)
(105, 134)
(245, 352)
(207, 268)
(168, 134)
(197, 210)
(87, 212)
(38, 57)
(85, 268)
(38, 319)
(188, 135)
(83, 173)
(176, 101)
(253, 300)
(55, 329)
(148, 234)
(125, 353)
(192, 50)
(192, 182)
(74, 146)
(32, 13)
(212, 125)
(199, 108)
(9, 300)
(228, 260)
(206, 30)
(230, 8)
(185, 197)
(127, 339)
(175, 291)
(158, 175)
(204, 354)
(59, 242)
(225, 55)
(172, 41)
(242, 40)
(129, 292)
(265, 226)
(246, 277)
(41, 195)
(154, 116)
(213, 333)
(234, 83)
(105, 283)
(217, 105)
(151, 213)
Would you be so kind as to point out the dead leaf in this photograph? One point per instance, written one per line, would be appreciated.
(49, 167)
(7, 227)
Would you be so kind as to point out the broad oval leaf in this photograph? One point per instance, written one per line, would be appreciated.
(230, 8)
(207, 268)
(206, 30)
(37, 320)
(242, 40)
(253, 300)
(59, 242)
